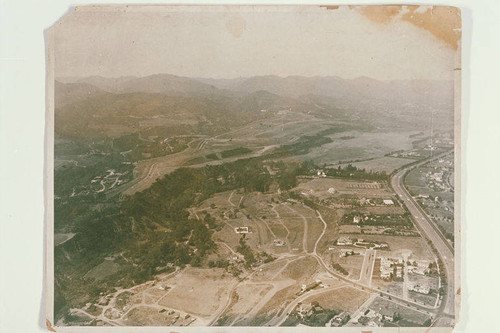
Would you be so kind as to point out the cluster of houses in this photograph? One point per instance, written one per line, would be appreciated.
(387, 267)
(366, 202)
(425, 289)
(371, 318)
(420, 267)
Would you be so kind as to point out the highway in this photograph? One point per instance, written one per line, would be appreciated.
(430, 231)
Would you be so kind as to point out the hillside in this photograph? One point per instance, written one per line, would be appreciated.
(159, 83)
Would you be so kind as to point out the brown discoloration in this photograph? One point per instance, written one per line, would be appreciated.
(459, 291)
(441, 21)
(330, 7)
(49, 325)
(236, 26)
(379, 14)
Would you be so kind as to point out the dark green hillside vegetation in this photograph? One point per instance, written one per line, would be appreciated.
(235, 152)
(351, 171)
(150, 228)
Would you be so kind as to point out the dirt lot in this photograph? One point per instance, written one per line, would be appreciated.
(343, 299)
(248, 296)
(150, 316)
(198, 291)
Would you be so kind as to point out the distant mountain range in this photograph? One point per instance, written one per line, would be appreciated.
(363, 88)
(98, 106)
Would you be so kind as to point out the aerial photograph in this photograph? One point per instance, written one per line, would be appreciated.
(255, 166)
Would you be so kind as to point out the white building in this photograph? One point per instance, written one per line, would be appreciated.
(344, 240)
(241, 230)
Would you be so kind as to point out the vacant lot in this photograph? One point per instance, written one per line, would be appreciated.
(152, 316)
(198, 291)
(248, 296)
(300, 270)
(343, 299)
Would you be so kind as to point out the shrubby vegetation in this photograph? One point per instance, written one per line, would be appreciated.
(351, 171)
(152, 229)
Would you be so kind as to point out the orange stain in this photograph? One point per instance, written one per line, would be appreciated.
(443, 22)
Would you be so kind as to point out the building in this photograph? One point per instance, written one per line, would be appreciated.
(340, 319)
(399, 271)
(386, 267)
(241, 230)
(279, 242)
(344, 240)
(385, 314)
(321, 173)
(388, 202)
(346, 252)
(356, 219)
(420, 289)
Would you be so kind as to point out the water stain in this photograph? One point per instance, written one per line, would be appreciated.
(444, 22)
(236, 26)
(329, 7)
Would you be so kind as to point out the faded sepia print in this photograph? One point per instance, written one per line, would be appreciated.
(253, 166)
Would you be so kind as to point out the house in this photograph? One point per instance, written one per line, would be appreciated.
(341, 319)
(420, 289)
(344, 240)
(399, 271)
(356, 219)
(241, 230)
(385, 314)
(331, 190)
(346, 252)
(321, 173)
(388, 202)
(279, 242)
(385, 267)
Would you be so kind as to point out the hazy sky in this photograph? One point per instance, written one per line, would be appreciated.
(223, 42)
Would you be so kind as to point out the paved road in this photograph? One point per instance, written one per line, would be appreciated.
(431, 232)
(367, 267)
